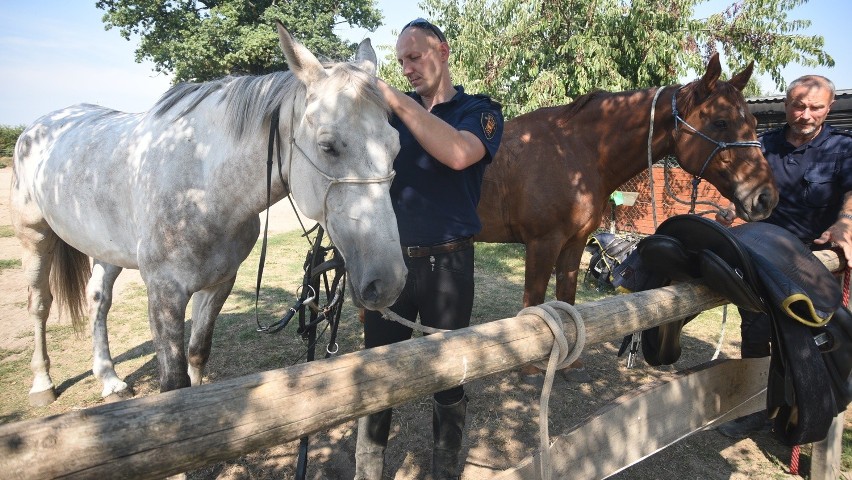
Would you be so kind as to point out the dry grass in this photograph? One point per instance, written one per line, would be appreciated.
(502, 426)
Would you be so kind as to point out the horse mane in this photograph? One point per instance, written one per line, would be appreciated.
(250, 100)
(573, 108)
(687, 103)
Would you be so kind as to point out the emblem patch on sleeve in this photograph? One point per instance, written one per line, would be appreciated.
(489, 125)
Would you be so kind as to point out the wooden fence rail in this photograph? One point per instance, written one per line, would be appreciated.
(186, 429)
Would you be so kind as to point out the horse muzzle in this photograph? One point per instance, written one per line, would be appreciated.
(759, 204)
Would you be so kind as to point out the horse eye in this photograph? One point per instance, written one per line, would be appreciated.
(328, 148)
(721, 124)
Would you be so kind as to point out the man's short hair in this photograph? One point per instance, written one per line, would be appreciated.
(426, 26)
(811, 81)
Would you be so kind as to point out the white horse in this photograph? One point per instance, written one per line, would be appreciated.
(176, 193)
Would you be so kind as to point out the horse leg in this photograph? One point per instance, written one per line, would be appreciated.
(540, 257)
(167, 303)
(567, 267)
(36, 261)
(206, 305)
(99, 294)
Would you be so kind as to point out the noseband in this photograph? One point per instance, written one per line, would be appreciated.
(696, 179)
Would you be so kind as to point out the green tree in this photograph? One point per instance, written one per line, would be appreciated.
(202, 40)
(533, 53)
(8, 137)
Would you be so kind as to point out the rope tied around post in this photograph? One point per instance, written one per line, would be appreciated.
(560, 357)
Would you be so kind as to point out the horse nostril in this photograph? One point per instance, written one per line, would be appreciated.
(765, 202)
(370, 292)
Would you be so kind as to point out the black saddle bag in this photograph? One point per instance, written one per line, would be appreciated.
(606, 251)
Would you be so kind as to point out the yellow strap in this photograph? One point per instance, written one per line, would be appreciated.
(788, 302)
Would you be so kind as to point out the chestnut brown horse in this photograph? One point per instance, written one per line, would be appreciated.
(557, 166)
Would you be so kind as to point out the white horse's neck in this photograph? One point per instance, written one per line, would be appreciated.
(243, 176)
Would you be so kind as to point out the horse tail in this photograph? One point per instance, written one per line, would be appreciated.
(68, 277)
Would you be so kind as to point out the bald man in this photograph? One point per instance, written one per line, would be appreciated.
(447, 137)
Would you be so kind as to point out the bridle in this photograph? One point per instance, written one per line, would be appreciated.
(720, 146)
(320, 261)
(331, 180)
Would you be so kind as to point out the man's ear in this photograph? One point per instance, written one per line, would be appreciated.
(445, 51)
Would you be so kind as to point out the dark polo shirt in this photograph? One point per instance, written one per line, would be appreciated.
(434, 203)
(812, 179)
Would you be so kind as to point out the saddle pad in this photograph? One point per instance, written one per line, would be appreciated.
(794, 278)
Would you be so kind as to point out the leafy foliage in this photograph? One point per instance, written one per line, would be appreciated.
(8, 136)
(529, 54)
(524, 53)
(202, 40)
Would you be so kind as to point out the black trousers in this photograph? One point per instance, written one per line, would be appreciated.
(439, 288)
(756, 331)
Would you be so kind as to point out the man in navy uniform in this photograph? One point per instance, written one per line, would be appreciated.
(447, 137)
(812, 164)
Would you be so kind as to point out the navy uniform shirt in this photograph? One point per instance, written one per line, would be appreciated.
(812, 179)
(434, 203)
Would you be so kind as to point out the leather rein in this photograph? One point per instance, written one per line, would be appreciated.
(315, 263)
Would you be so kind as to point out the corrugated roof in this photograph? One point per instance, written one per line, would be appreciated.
(769, 111)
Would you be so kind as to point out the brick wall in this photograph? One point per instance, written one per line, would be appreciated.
(639, 217)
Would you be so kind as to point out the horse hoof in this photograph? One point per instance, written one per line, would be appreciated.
(120, 395)
(43, 398)
(575, 375)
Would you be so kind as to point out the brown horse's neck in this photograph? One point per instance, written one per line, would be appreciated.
(624, 140)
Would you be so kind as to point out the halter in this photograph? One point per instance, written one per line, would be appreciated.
(331, 180)
(719, 147)
(308, 293)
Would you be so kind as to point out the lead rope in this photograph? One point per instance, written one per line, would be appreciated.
(636, 338)
(388, 314)
(651, 159)
(560, 357)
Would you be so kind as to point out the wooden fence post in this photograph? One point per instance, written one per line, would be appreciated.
(181, 430)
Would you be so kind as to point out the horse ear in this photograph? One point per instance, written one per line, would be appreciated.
(301, 61)
(714, 69)
(740, 80)
(366, 57)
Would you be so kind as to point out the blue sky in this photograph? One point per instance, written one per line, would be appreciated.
(55, 53)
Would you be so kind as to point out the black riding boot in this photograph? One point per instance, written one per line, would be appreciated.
(447, 429)
(370, 446)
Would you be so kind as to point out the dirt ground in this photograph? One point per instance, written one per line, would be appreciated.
(502, 423)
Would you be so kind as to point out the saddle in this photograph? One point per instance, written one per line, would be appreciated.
(607, 251)
(759, 267)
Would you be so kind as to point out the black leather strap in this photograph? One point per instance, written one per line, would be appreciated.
(449, 247)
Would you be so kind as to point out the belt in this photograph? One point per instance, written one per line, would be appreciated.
(454, 246)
